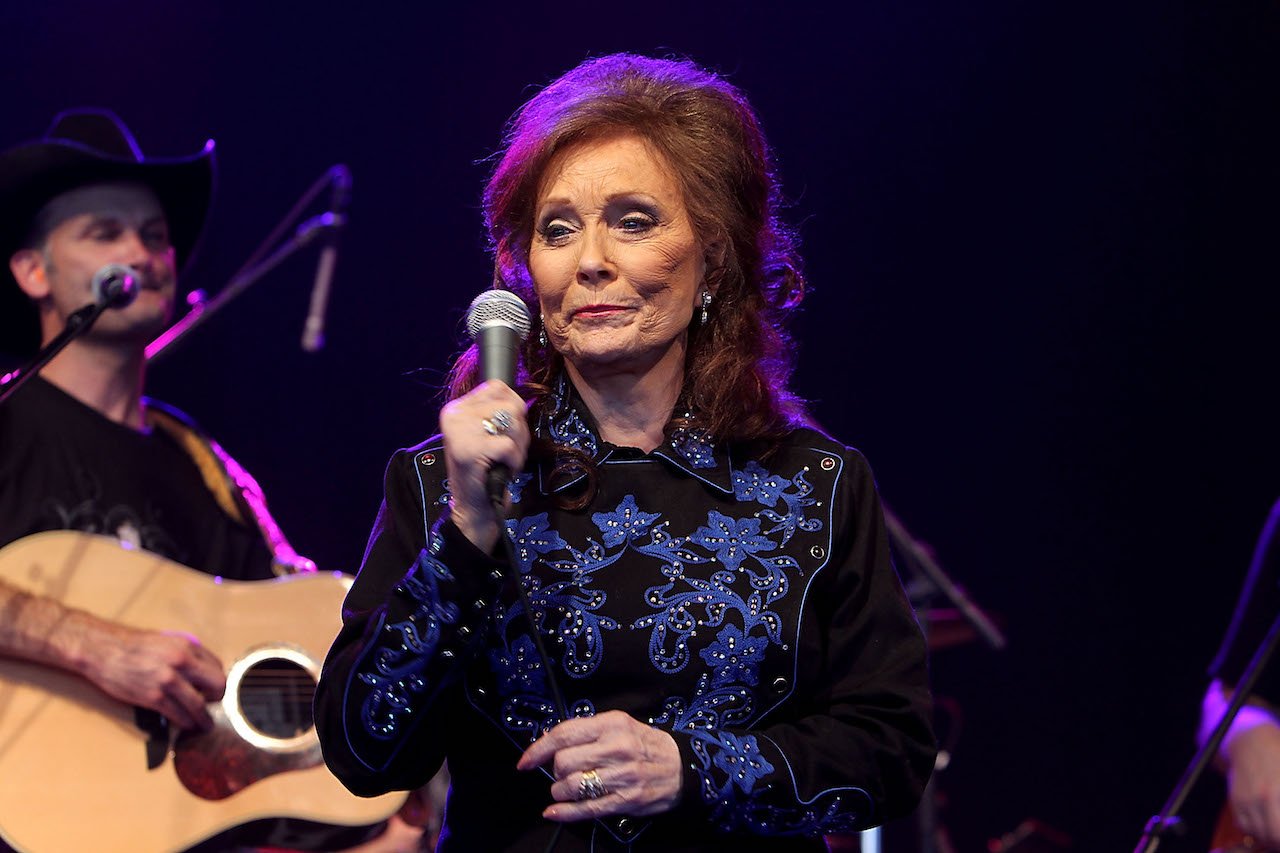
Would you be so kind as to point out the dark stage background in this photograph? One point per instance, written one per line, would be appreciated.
(1042, 243)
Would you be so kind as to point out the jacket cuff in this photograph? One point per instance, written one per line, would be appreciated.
(691, 801)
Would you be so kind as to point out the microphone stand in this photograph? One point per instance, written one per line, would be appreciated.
(916, 558)
(1167, 821)
(202, 310)
(78, 323)
(259, 263)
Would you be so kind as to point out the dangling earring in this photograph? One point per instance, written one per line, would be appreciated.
(542, 331)
(706, 303)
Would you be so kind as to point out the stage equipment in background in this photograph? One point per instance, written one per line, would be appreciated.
(340, 195)
(271, 253)
(1031, 836)
(949, 618)
(114, 286)
(133, 782)
(927, 580)
(1167, 823)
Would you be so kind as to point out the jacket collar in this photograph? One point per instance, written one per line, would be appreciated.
(568, 423)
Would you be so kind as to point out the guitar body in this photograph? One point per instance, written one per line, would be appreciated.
(1229, 838)
(81, 771)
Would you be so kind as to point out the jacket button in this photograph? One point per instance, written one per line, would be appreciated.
(780, 685)
(626, 828)
(817, 552)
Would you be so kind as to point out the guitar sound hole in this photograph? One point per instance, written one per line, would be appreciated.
(275, 698)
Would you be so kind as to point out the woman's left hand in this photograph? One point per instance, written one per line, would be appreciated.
(638, 765)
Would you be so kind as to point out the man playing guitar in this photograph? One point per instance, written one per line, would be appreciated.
(80, 447)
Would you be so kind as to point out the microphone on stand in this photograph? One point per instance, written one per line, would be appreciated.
(498, 322)
(333, 221)
(115, 286)
(112, 286)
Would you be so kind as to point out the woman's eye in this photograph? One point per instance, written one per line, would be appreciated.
(636, 223)
(555, 232)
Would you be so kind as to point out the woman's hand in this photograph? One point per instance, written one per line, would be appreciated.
(638, 765)
(484, 427)
(1253, 777)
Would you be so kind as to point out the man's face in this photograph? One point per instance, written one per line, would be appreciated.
(90, 227)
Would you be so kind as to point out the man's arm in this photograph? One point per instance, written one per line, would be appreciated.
(167, 672)
(1250, 755)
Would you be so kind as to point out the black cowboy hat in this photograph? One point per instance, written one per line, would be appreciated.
(87, 146)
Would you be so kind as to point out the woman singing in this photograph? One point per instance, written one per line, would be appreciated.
(723, 658)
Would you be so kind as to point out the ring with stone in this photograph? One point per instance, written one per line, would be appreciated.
(590, 787)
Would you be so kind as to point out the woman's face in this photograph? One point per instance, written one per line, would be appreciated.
(616, 264)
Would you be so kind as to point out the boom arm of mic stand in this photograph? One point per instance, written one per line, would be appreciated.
(918, 558)
(234, 288)
(78, 322)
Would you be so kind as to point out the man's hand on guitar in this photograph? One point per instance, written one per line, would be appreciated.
(167, 672)
(1253, 776)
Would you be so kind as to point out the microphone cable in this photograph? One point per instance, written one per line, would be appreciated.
(557, 696)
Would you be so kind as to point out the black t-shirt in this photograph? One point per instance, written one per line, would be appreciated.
(63, 466)
(1258, 606)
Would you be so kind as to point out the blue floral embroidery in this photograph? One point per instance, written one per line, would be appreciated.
(734, 764)
(731, 540)
(532, 538)
(566, 607)
(741, 576)
(734, 657)
(694, 446)
(624, 524)
(397, 671)
(516, 486)
(738, 599)
(568, 429)
(519, 668)
(753, 483)
(740, 759)
(565, 426)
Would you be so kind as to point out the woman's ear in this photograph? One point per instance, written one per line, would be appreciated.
(27, 266)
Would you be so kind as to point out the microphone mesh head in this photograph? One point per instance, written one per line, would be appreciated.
(498, 308)
(115, 285)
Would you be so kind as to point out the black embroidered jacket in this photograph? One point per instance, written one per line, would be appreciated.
(748, 608)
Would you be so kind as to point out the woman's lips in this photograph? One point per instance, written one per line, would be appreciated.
(591, 312)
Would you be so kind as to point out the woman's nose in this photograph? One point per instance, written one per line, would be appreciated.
(595, 264)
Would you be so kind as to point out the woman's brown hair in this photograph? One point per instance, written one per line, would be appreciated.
(739, 363)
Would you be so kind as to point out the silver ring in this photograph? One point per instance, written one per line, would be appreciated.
(501, 419)
(591, 788)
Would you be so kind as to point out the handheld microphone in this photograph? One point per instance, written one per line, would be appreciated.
(115, 286)
(498, 322)
(313, 329)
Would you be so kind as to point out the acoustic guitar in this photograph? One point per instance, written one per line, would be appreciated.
(82, 771)
(1229, 838)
